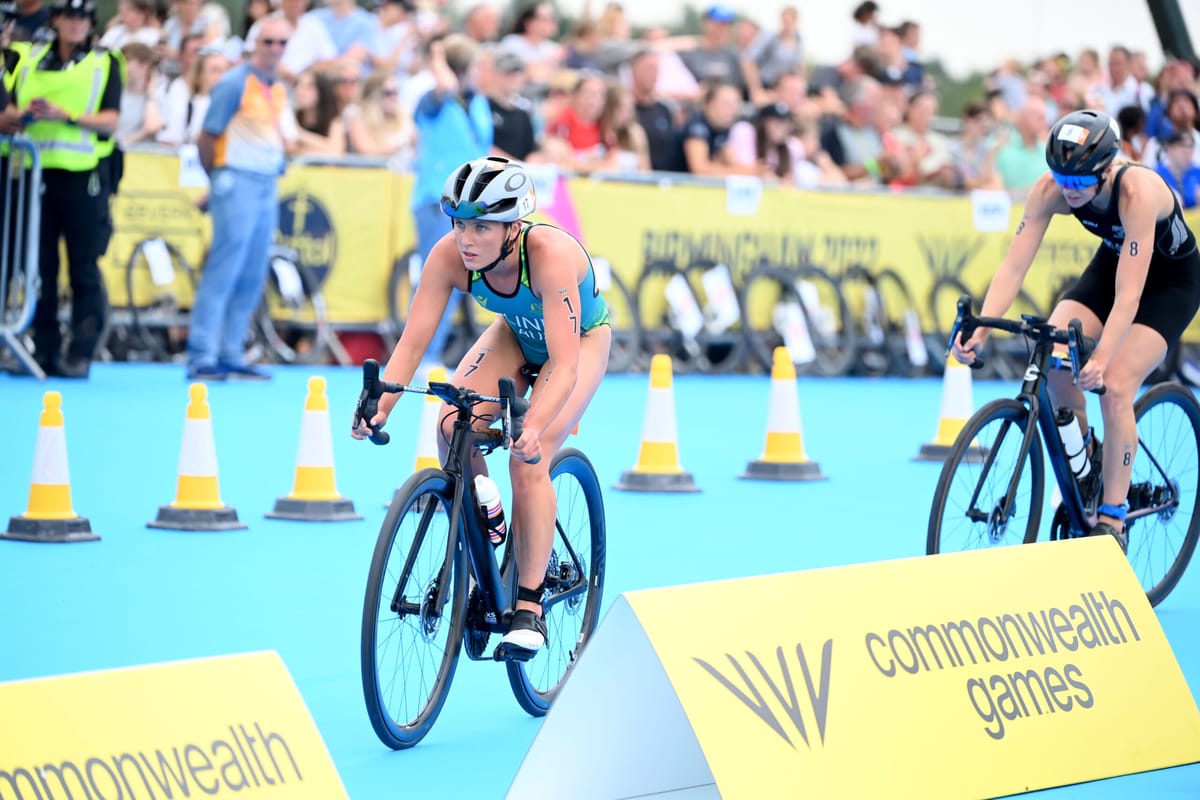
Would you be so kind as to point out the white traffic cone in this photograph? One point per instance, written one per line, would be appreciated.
(197, 505)
(50, 516)
(427, 450)
(314, 494)
(783, 456)
(658, 468)
(957, 407)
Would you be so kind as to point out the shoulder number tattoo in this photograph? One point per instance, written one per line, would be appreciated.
(570, 310)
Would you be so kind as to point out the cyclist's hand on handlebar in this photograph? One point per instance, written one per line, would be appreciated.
(966, 352)
(528, 447)
(1091, 374)
(362, 430)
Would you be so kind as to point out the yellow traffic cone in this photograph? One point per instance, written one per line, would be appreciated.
(957, 407)
(783, 457)
(50, 517)
(658, 468)
(427, 450)
(197, 505)
(314, 494)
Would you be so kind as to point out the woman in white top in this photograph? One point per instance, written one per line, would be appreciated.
(187, 100)
(135, 22)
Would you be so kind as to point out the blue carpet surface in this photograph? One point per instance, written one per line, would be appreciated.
(143, 596)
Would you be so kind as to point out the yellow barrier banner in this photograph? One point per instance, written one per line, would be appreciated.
(974, 674)
(231, 726)
(350, 224)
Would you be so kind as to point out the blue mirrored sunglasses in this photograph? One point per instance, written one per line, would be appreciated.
(1075, 183)
(467, 209)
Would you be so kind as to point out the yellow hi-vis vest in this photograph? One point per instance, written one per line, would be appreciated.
(77, 89)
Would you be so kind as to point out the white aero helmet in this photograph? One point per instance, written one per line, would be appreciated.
(490, 189)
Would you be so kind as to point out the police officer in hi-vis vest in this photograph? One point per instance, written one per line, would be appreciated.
(66, 98)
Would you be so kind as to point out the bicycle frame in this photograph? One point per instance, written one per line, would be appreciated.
(496, 583)
(1035, 396)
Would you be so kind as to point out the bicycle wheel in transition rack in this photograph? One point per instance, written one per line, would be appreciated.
(803, 309)
(1166, 472)
(975, 479)
(574, 583)
(625, 354)
(410, 646)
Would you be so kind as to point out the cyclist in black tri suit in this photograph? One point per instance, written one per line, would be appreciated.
(1136, 297)
(552, 332)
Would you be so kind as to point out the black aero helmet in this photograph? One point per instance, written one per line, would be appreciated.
(491, 189)
(1083, 143)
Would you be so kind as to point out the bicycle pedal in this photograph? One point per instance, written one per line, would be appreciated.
(511, 652)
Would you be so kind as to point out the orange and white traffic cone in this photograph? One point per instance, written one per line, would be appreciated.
(783, 456)
(658, 468)
(314, 494)
(197, 505)
(957, 407)
(50, 517)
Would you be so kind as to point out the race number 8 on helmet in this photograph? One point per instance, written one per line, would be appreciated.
(490, 189)
(1083, 143)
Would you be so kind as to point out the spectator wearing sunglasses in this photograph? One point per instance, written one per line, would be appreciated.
(1135, 298)
(377, 125)
(248, 126)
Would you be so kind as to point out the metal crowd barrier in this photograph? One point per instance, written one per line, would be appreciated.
(20, 226)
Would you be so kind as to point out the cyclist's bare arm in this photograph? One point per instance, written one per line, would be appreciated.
(442, 272)
(1144, 200)
(561, 264)
(1043, 203)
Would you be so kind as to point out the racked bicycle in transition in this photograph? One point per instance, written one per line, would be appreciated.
(991, 487)
(435, 585)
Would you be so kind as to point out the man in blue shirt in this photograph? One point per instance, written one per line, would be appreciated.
(454, 125)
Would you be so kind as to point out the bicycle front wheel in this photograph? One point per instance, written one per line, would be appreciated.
(971, 508)
(574, 583)
(413, 614)
(1166, 477)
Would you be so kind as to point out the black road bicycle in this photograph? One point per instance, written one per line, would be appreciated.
(435, 586)
(990, 492)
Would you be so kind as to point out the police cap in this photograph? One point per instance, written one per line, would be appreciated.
(74, 8)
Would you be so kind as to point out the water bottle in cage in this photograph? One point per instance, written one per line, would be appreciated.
(487, 494)
(1073, 444)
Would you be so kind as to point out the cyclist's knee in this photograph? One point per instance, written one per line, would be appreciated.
(1118, 398)
(528, 476)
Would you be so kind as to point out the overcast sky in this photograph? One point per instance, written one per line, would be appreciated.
(956, 30)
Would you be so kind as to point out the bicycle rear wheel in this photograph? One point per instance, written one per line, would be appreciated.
(410, 644)
(574, 583)
(1166, 475)
(967, 504)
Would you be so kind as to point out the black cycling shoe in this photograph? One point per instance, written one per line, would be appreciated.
(1104, 529)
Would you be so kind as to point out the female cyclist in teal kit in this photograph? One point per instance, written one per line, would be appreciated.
(552, 332)
(1136, 296)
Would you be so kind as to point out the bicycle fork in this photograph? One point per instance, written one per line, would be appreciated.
(997, 518)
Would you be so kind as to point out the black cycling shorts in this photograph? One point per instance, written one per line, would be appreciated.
(1169, 300)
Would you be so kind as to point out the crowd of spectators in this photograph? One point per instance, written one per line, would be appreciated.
(736, 99)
